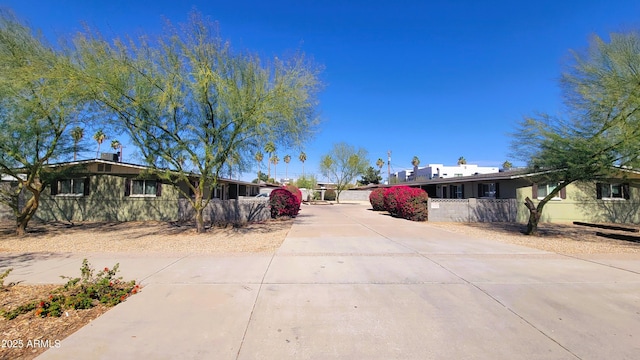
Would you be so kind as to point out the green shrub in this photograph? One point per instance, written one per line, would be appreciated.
(330, 195)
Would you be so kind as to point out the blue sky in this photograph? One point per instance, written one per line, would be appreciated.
(435, 79)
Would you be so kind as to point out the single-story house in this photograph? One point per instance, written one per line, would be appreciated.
(106, 190)
(500, 197)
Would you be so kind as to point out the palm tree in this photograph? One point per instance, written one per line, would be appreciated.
(77, 133)
(415, 161)
(259, 157)
(99, 137)
(116, 145)
(269, 148)
(462, 160)
(507, 165)
(287, 159)
(302, 158)
(380, 164)
(274, 160)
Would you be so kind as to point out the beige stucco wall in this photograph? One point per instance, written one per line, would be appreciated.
(581, 204)
(106, 202)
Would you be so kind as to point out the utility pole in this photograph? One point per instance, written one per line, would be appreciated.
(389, 167)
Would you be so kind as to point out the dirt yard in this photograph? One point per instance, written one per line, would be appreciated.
(144, 237)
(558, 238)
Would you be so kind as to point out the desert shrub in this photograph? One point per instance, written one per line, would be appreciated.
(376, 198)
(412, 204)
(330, 195)
(283, 203)
(295, 191)
(80, 293)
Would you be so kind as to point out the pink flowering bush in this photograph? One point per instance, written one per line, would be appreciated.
(283, 203)
(295, 191)
(376, 198)
(412, 204)
(390, 199)
(406, 202)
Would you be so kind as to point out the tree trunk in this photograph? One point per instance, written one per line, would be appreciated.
(27, 213)
(200, 221)
(199, 208)
(534, 217)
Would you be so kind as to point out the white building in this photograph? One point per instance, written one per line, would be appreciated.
(435, 171)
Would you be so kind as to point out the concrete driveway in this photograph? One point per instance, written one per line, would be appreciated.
(349, 283)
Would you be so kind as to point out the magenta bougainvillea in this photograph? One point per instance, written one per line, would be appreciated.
(376, 198)
(412, 204)
(390, 199)
(295, 191)
(406, 202)
(283, 203)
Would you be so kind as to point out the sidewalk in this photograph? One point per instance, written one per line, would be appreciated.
(349, 283)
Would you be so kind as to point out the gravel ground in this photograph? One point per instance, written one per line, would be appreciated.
(163, 237)
(146, 237)
(558, 238)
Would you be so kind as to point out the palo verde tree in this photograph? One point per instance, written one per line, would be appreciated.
(343, 164)
(600, 133)
(39, 100)
(190, 103)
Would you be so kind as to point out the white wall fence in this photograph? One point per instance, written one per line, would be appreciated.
(355, 195)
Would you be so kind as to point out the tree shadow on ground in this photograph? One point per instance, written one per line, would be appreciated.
(149, 228)
(13, 260)
(553, 230)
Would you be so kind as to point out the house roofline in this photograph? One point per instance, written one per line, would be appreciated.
(139, 167)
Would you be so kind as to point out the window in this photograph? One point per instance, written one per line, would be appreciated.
(540, 191)
(612, 191)
(77, 187)
(488, 190)
(143, 187)
(135, 187)
(456, 191)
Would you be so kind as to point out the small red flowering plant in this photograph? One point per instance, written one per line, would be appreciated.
(84, 292)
